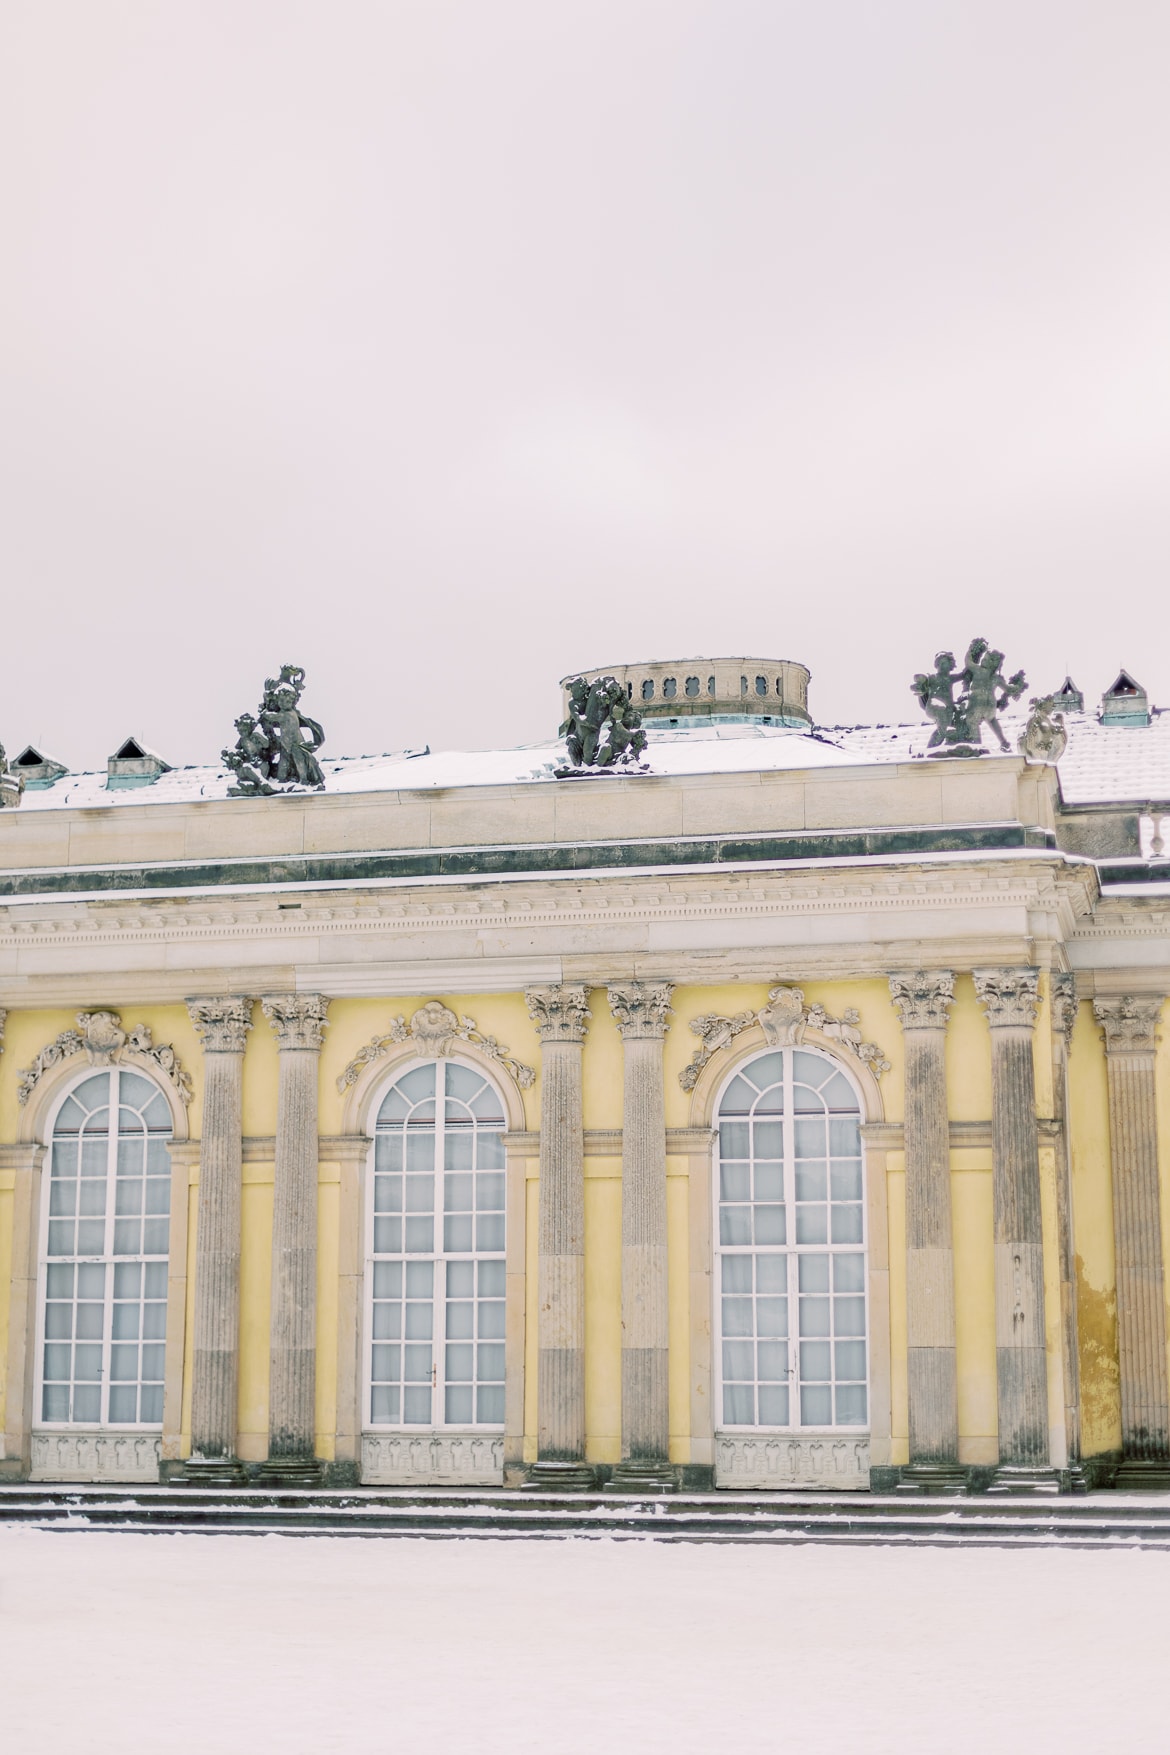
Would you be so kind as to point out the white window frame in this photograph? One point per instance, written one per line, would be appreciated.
(439, 1256)
(792, 1250)
(110, 1261)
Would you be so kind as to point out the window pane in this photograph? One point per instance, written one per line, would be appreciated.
(739, 1404)
(459, 1401)
(416, 1407)
(489, 1232)
(816, 1406)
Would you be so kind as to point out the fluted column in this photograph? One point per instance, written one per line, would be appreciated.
(1010, 999)
(922, 1001)
(299, 1021)
(561, 1015)
(222, 1025)
(1130, 1029)
(641, 1009)
(1063, 1007)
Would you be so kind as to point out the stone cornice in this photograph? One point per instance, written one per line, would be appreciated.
(222, 1024)
(924, 998)
(561, 1014)
(641, 1009)
(298, 1019)
(1129, 1025)
(1036, 882)
(1010, 997)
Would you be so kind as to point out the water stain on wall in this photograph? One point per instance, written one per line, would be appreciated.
(1100, 1374)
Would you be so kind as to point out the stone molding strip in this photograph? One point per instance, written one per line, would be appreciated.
(488, 863)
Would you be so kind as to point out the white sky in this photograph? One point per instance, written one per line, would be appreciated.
(446, 348)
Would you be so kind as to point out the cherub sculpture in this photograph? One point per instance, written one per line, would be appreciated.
(272, 750)
(11, 785)
(984, 692)
(1044, 738)
(603, 730)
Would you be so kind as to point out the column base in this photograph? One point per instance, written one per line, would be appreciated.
(561, 1477)
(1139, 1475)
(940, 1478)
(290, 1471)
(636, 1476)
(210, 1471)
(1023, 1478)
(1078, 1480)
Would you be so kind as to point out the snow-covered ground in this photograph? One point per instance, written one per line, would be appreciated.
(230, 1643)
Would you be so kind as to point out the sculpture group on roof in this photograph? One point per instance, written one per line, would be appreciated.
(272, 750)
(602, 730)
(983, 693)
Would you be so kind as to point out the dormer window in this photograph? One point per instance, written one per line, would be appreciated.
(1126, 703)
(133, 764)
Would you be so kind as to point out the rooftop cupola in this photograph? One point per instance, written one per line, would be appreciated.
(133, 764)
(764, 691)
(1126, 703)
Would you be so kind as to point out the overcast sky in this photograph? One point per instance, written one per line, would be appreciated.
(448, 348)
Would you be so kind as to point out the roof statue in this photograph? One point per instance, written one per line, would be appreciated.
(11, 784)
(272, 750)
(602, 730)
(983, 693)
(1044, 738)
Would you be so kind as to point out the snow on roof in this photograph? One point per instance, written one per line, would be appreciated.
(1103, 763)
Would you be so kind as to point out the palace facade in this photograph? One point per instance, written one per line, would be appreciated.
(783, 1109)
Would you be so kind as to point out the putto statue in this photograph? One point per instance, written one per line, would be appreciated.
(603, 730)
(982, 694)
(11, 785)
(1044, 738)
(272, 750)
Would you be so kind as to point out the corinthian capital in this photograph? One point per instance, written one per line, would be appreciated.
(1010, 997)
(222, 1025)
(1130, 1026)
(297, 1018)
(561, 1014)
(640, 1008)
(923, 998)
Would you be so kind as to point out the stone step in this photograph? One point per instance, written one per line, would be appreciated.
(1103, 1520)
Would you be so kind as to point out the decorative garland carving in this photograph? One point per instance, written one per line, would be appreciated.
(784, 1021)
(101, 1036)
(436, 1029)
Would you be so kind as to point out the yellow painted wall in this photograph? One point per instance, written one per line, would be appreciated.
(354, 1022)
(603, 1309)
(1092, 1201)
(7, 1184)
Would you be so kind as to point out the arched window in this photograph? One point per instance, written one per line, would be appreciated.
(791, 1288)
(104, 1260)
(435, 1267)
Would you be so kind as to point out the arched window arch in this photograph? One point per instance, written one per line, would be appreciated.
(790, 1292)
(104, 1244)
(435, 1268)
